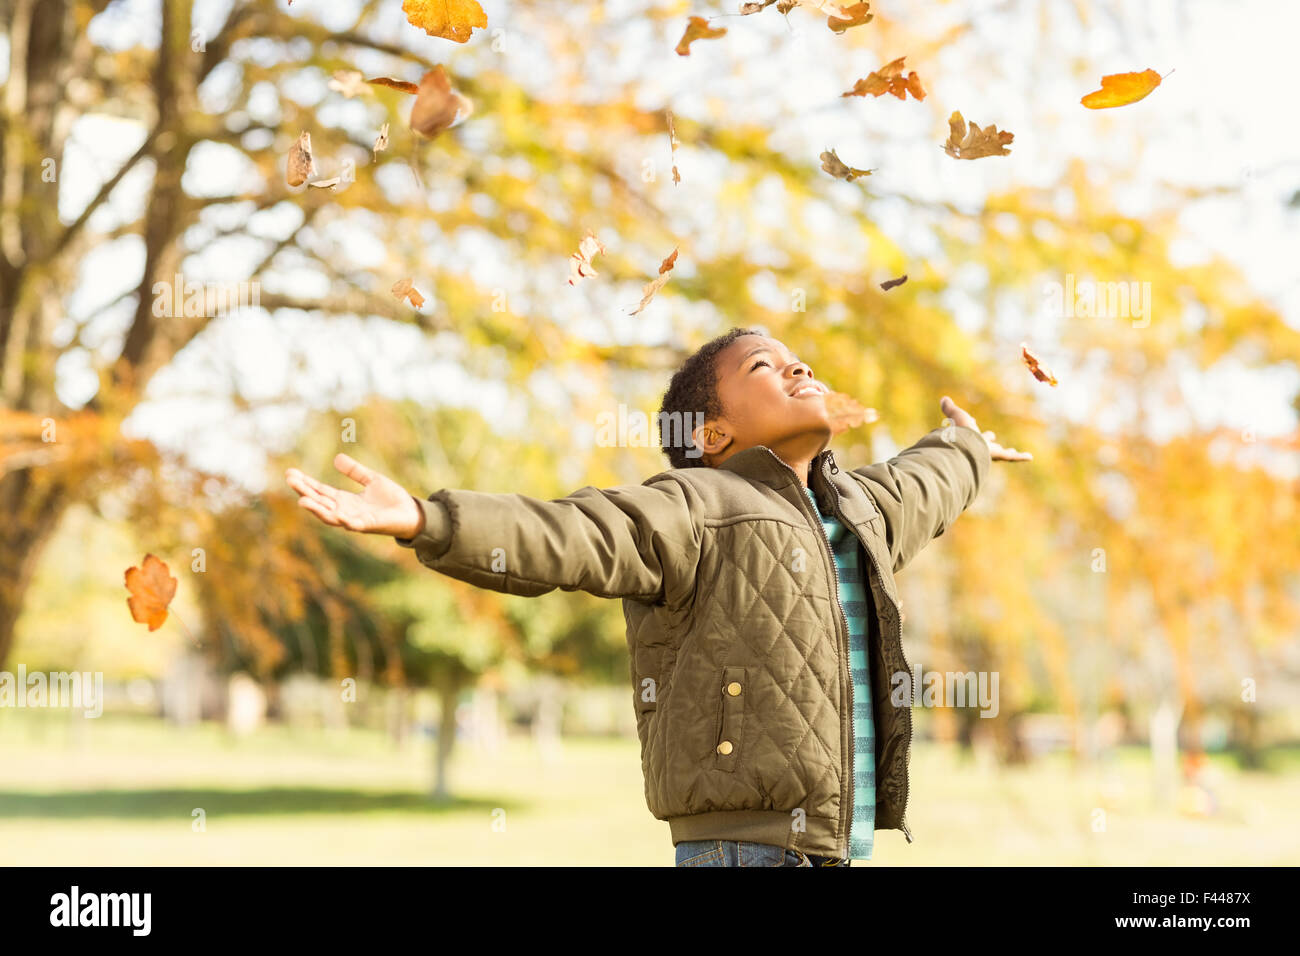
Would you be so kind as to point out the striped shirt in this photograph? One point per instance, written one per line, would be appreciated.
(847, 551)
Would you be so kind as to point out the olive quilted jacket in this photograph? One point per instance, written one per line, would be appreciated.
(738, 644)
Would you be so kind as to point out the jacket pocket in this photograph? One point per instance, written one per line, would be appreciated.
(731, 716)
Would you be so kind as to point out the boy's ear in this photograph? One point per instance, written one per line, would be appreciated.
(710, 438)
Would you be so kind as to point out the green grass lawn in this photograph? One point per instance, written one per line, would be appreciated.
(122, 791)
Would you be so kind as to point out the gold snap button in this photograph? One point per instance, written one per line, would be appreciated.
(724, 748)
(734, 688)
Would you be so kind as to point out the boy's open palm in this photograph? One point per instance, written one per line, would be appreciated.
(382, 507)
(964, 418)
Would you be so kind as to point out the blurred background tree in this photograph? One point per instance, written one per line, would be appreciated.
(1140, 558)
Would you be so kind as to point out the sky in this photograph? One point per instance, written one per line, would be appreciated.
(1219, 120)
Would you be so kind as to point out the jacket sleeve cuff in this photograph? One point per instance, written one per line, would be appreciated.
(436, 533)
(976, 442)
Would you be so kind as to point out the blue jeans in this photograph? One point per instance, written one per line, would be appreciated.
(740, 853)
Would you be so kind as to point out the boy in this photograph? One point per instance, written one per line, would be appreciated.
(757, 581)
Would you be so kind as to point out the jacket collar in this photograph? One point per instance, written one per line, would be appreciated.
(760, 463)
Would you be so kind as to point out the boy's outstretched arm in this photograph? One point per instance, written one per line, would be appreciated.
(637, 541)
(925, 488)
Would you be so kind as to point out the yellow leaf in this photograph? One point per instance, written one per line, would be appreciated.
(1120, 89)
(449, 19)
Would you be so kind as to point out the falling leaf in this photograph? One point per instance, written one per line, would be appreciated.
(1041, 372)
(381, 141)
(835, 166)
(859, 15)
(301, 168)
(653, 286)
(437, 105)
(889, 79)
(1121, 89)
(391, 83)
(403, 289)
(449, 19)
(847, 412)
(891, 283)
(327, 183)
(152, 589)
(348, 82)
(976, 142)
(697, 29)
(838, 10)
(672, 146)
(580, 261)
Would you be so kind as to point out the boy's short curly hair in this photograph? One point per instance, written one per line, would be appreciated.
(693, 389)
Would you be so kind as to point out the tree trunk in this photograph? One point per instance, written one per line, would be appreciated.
(32, 510)
(448, 693)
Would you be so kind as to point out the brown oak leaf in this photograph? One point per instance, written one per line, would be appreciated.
(975, 142)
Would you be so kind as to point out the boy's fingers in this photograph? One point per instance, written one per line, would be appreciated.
(354, 469)
(310, 487)
(321, 511)
(959, 415)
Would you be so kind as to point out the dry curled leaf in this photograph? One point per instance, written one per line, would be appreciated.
(152, 589)
(437, 105)
(348, 82)
(835, 166)
(381, 141)
(301, 168)
(753, 6)
(839, 11)
(449, 19)
(858, 16)
(847, 412)
(403, 289)
(975, 142)
(697, 29)
(393, 84)
(1120, 89)
(891, 283)
(654, 285)
(580, 261)
(672, 146)
(327, 183)
(1041, 371)
(889, 79)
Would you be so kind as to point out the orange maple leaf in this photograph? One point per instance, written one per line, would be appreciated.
(1121, 89)
(889, 79)
(152, 589)
(1041, 371)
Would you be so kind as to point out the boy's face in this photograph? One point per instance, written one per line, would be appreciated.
(768, 398)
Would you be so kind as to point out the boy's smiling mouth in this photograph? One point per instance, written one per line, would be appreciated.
(808, 388)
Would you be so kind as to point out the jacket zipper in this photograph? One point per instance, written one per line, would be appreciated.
(846, 815)
(835, 506)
